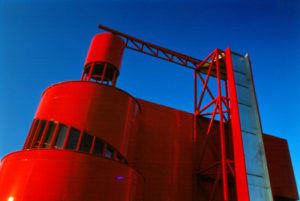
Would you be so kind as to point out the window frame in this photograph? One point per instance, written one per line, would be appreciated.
(52, 129)
(61, 126)
(31, 133)
(68, 137)
(36, 133)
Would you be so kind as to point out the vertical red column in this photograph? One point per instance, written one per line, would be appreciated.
(222, 131)
(238, 149)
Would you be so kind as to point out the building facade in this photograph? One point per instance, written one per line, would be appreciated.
(92, 141)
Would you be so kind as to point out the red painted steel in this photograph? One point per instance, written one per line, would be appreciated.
(178, 58)
(104, 59)
(223, 106)
(178, 161)
(106, 47)
(52, 175)
(222, 130)
(150, 49)
(201, 110)
(154, 50)
(164, 156)
(165, 153)
(239, 156)
(167, 156)
(103, 111)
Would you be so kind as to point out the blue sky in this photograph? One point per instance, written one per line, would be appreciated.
(45, 43)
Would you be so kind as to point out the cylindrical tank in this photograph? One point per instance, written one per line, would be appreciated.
(106, 47)
(100, 110)
(104, 58)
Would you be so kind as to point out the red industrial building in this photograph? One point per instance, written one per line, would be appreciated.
(91, 141)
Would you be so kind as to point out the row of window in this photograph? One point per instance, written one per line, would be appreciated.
(45, 134)
(100, 72)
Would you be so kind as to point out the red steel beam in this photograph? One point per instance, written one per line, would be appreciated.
(155, 50)
(163, 53)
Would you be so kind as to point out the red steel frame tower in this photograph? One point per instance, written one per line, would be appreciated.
(224, 107)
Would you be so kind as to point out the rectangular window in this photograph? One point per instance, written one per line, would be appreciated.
(73, 139)
(39, 133)
(59, 141)
(109, 152)
(49, 134)
(31, 133)
(86, 143)
(98, 147)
